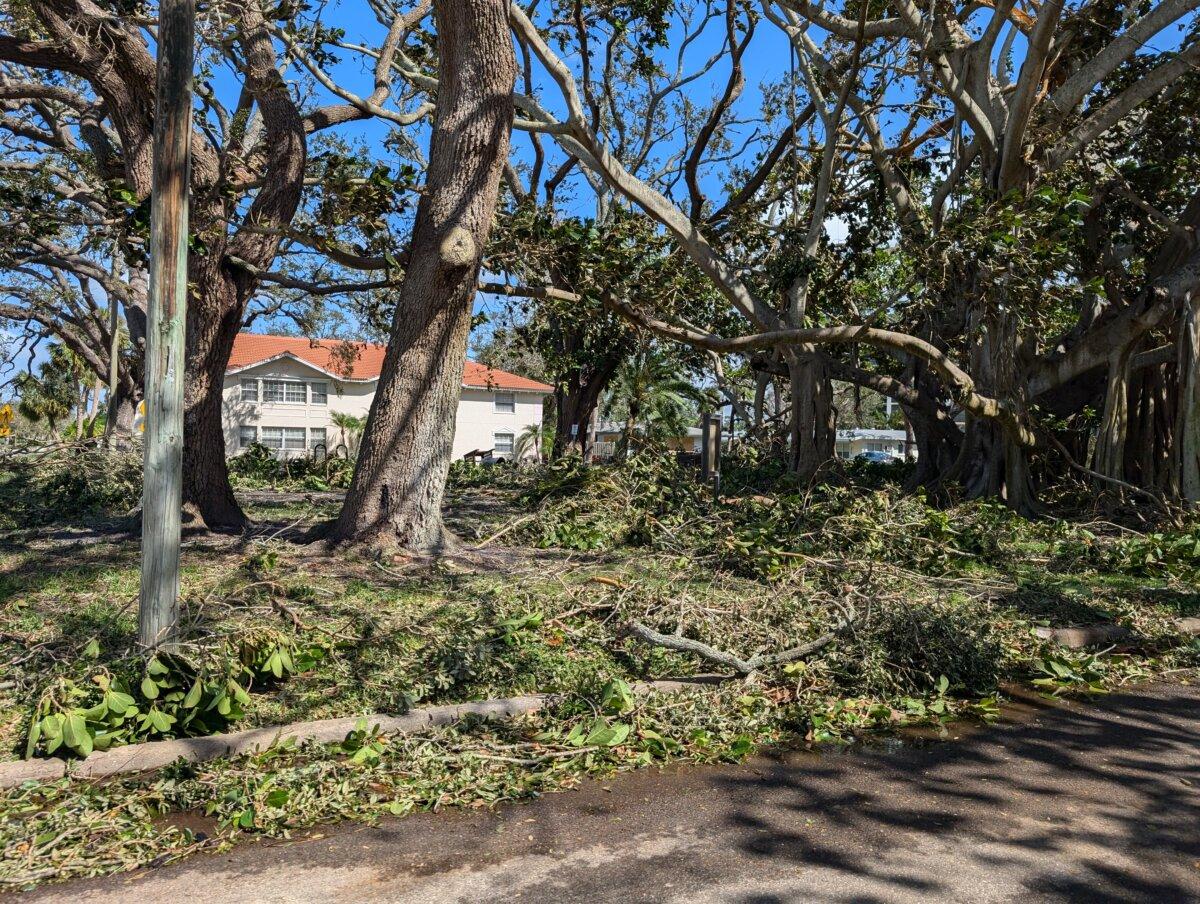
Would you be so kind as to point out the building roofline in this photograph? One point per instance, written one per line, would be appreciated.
(233, 371)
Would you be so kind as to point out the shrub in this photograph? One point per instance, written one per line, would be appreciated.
(258, 466)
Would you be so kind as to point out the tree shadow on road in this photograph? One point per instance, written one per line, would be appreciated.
(1097, 803)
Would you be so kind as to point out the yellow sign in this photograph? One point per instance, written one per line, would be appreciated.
(6, 419)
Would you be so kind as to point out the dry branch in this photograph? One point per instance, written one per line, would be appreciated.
(730, 661)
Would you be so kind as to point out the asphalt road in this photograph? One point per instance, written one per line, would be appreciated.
(1096, 802)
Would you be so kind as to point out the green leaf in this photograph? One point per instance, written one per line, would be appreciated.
(604, 735)
(239, 694)
(155, 667)
(52, 726)
(96, 713)
(84, 747)
(277, 798)
(193, 696)
(118, 702)
(741, 746)
(575, 737)
(35, 735)
(75, 732)
(617, 696)
(161, 721)
(91, 650)
(149, 688)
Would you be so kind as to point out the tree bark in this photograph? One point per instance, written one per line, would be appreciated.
(120, 417)
(1112, 436)
(214, 318)
(813, 428)
(1150, 439)
(1186, 463)
(995, 465)
(576, 399)
(396, 494)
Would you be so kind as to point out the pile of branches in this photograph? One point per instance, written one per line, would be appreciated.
(67, 482)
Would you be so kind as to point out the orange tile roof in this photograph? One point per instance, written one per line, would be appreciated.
(357, 360)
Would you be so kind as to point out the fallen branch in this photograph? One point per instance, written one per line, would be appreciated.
(728, 660)
(500, 533)
(609, 582)
(1083, 469)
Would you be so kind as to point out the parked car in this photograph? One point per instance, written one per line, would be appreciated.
(879, 458)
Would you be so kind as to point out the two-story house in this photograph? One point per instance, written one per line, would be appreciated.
(283, 392)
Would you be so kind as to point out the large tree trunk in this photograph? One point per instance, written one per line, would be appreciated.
(574, 406)
(994, 464)
(1112, 436)
(214, 318)
(813, 425)
(576, 398)
(1150, 438)
(1186, 461)
(937, 439)
(120, 417)
(395, 496)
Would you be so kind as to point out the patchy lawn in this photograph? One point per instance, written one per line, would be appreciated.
(942, 606)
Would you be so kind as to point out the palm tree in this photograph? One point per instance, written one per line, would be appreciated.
(351, 427)
(653, 397)
(51, 395)
(530, 440)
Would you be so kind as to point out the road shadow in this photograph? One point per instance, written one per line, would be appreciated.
(1090, 803)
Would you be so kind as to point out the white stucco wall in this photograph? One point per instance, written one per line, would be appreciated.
(478, 420)
(476, 425)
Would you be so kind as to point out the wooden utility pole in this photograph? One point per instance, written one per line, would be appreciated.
(158, 613)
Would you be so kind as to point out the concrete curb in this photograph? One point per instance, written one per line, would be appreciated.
(157, 754)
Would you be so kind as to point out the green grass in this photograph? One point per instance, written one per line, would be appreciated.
(937, 637)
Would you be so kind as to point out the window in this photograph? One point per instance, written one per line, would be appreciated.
(319, 393)
(290, 391)
(505, 403)
(293, 439)
(502, 443)
(289, 439)
(247, 436)
(316, 437)
(249, 390)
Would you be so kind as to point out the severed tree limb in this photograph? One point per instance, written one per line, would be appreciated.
(728, 660)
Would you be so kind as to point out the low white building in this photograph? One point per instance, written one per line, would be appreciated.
(283, 392)
(852, 443)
